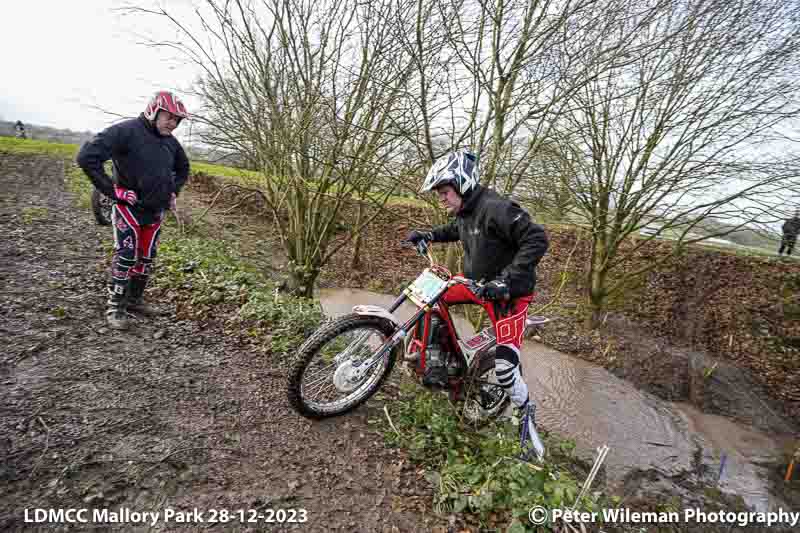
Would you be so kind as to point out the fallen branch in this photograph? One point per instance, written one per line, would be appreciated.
(386, 412)
(601, 456)
(46, 446)
(572, 529)
(229, 210)
(213, 201)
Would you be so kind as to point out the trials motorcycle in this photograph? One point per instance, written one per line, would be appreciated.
(343, 363)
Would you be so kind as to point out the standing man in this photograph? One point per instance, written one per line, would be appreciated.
(790, 230)
(149, 169)
(503, 246)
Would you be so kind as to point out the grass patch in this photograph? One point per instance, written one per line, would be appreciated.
(70, 151)
(59, 312)
(78, 184)
(246, 177)
(33, 214)
(207, 273)
(30, 146)
(477, 472)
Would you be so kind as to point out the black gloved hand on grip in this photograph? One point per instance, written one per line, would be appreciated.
(416, 236)
(497, 290)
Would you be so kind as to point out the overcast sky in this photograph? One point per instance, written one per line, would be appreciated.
(61, 58)
(63, 62)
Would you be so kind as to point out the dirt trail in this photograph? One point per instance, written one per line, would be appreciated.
(166, 415)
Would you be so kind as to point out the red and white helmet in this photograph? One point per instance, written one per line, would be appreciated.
(167, 101)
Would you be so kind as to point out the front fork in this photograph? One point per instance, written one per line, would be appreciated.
(361, 368)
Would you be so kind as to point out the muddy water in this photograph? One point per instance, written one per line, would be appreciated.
(585, 402)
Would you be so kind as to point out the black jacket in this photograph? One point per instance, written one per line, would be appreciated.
(500, 240)
(791, 227)
(151, 165)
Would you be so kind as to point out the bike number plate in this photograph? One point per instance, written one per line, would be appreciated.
(426, 288)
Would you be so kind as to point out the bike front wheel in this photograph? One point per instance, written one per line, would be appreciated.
(327, 378)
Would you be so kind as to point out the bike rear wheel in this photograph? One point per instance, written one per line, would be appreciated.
(101, 208)
(325, 379)
(485, 400)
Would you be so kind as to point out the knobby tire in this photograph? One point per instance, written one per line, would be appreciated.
(309, 349)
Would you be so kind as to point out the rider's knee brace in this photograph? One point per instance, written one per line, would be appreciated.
(509, 377)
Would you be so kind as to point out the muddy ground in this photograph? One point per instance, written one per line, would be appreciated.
(172, 413)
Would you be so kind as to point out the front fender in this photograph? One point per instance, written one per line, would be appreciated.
(375, 310)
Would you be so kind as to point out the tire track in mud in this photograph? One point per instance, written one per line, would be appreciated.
(93, 418)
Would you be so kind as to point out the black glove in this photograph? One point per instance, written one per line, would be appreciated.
(415, 236)
(497, 290)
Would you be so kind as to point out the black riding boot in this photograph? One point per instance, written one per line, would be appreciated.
(136, 297)
(115, 306)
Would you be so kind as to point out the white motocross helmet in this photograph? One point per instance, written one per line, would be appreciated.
(459, 169)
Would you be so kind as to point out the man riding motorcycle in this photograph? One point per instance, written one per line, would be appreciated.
(501, 245)
(19, 130)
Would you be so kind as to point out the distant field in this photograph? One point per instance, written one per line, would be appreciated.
(249, 178)
(219, 170)
(28, 146)
(765, 248)
(253, 179)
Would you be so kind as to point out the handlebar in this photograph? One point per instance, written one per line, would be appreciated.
(422, 247)
(471, 284)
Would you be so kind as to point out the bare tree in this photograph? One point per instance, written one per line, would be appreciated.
(669, 137)
(313, 93)
(542, 182)
(495, 76)
(503, 70)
